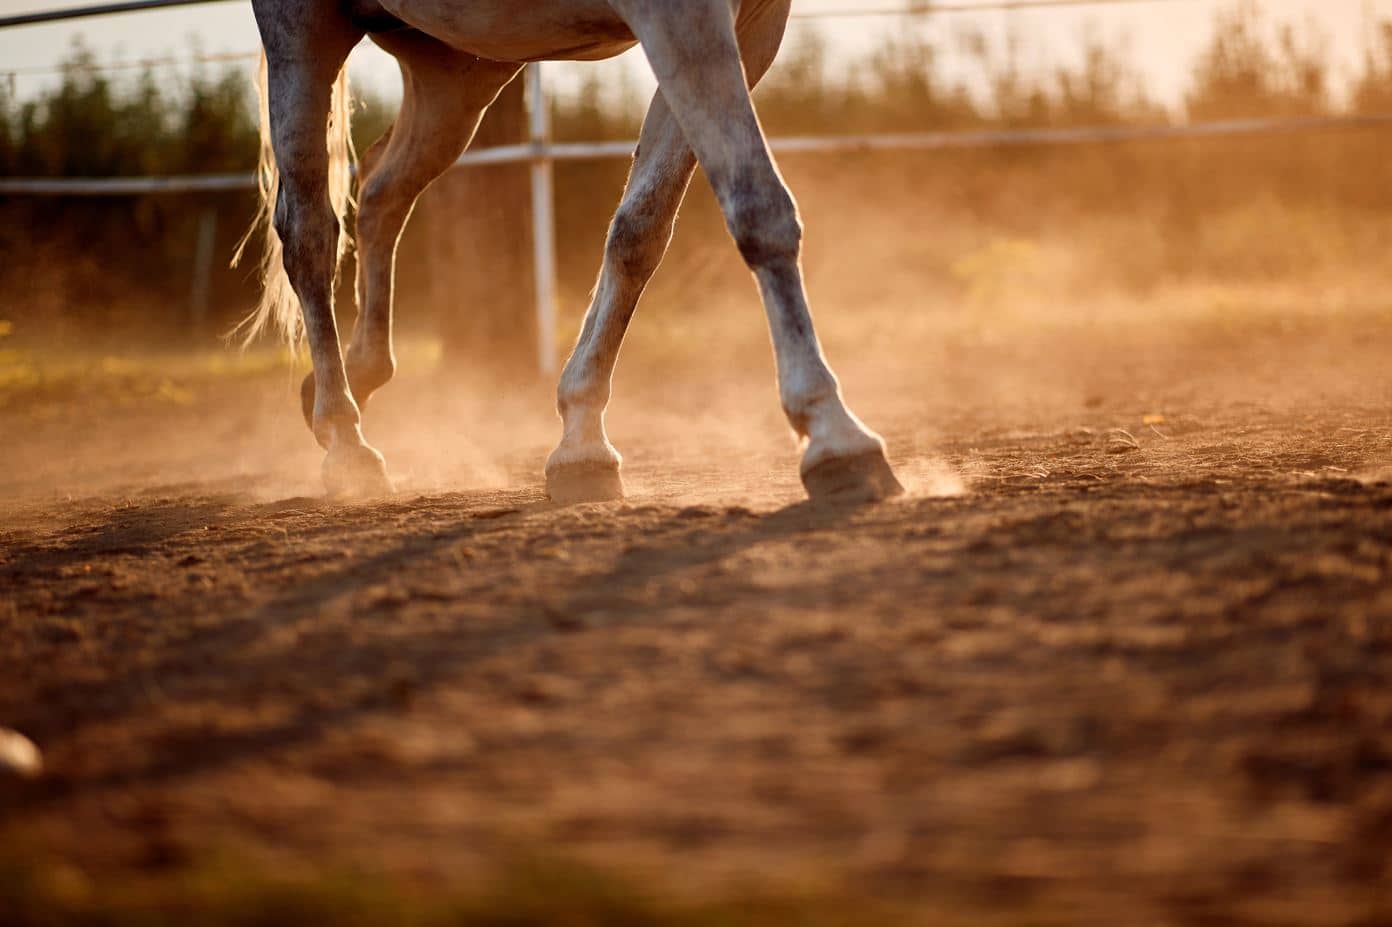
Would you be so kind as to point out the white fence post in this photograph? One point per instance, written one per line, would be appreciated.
(543, 221)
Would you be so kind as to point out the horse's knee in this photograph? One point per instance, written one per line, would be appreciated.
(763, 219)
(308, 230)
(637, 240)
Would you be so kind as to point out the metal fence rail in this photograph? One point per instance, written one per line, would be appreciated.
(986, 6)
(541, 153)
(104, 9)
(908, 9)
(125, 186)
(793, 145)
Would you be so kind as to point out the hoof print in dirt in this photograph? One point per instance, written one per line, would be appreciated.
(863, 478)
(356, 473)
(19, 758)
(572, 484)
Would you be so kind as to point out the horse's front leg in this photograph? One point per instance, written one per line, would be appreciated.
(445, 93)
(696, 56)
(586, 467)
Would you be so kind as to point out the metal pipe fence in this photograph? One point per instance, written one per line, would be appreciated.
(912, 8)
(103, 9)
(541, 153)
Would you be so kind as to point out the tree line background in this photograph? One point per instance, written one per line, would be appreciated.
(1134, 216)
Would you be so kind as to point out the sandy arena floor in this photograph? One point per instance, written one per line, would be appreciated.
(1066, 679)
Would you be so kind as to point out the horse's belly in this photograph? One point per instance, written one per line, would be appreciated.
(520, 30)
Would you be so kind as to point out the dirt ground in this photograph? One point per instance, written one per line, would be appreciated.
(1065, 681)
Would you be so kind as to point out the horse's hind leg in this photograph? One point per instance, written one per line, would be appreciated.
(305, 52)
(586, 467)
(445, 93)
(366, 162)
(693, 50)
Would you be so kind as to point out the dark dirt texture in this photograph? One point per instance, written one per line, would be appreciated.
(1078, 676)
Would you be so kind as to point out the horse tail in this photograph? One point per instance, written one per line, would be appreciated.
(279, 309)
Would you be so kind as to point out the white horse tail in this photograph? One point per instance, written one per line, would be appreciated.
(279, 308)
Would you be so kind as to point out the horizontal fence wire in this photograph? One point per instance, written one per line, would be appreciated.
(591, 151)
(135, 64)
(931, 9)
(850, 144)
(103, 9)
(125, 186)
(910, 9)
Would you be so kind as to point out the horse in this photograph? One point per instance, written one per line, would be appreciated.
(455, 57)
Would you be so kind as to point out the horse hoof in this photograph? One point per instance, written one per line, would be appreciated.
(590, 481)
(861, 478)
(356, 471)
